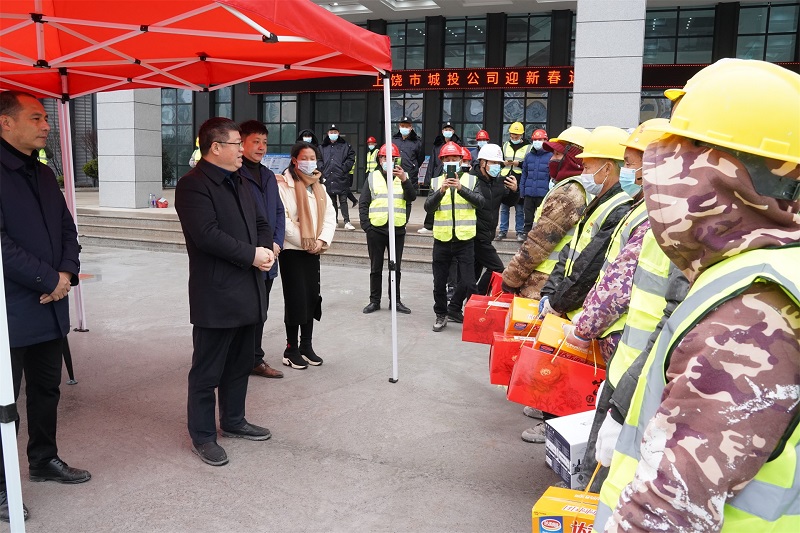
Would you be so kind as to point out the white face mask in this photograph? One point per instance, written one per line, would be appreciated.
(587, 180)
(307, 167)
(405, 131)
(371, 146)
(537, 145)
(451, 166)
(333, 137)
(307, 139)
(447, 134)
(481, 144)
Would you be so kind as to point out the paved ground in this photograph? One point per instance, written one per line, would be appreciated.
(438, 451)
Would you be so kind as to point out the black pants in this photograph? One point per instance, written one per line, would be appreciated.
(222, 360)
(377, 244)
(259, 357)
(532, 203)
(339, 201)
(443, 255)
(486, 258)
(41, 364)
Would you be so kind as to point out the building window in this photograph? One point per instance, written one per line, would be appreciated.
(407, 105)
(465, 42)
(528, 40)
(408, 43)
(177, 134)
(465, 110)
(528, 107)
(349, 112)
(768, 31)
(279, 115)
(223, 102)
(678, 36)
(654, 105)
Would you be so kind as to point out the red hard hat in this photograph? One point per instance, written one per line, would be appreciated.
(395, 151)
(482, 135)
(539, 135)
(372, 140)
(450, 148)
(466, 154)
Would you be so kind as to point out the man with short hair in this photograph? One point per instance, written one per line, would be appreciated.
(40, 264)
(338, 158)
(409, 143)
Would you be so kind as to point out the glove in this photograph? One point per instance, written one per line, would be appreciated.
(570, 337)
(512, 290)
(545, 309)
(607, 440)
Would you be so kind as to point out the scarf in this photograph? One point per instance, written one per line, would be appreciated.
(308, 234)
(568, 166)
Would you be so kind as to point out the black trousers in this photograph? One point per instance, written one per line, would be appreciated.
(486, 258)
(259, 358)
(532, 203)
(222, 360)
(41, 365)
(443, 255)
(377, 245)
(339, 201)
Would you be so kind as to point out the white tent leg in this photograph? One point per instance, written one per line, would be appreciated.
(8, 430)
(387, 123)
(69, 189)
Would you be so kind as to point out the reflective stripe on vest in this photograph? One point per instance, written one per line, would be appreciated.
(549, 264)
(514, 154)
(372, 161)
(646, 306)
(379, 206)
(455, 214)
(771, 500)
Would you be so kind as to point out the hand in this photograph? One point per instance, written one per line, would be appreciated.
(546, 309)
(398, 172)
(607, 440)
(512, 290)
(570, 337)
(317, 247)
(455, 182)
(262, 257)
(509, 163)
(511, 183)
(276, 249)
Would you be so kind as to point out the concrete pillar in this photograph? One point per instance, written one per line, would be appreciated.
(609, 43)
(129, 146)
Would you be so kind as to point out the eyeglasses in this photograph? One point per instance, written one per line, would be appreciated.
(239, 144)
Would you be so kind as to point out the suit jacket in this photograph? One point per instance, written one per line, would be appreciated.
(39, 240)
(222, 227)
(265, 193)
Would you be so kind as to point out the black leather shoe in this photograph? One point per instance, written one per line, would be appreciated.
(58, 470)
(210, 453)
(455, 316)
(247, 431)
(402, 308)
(371, 308)
(4, 515)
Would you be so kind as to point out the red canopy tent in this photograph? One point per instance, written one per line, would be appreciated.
(68, 48)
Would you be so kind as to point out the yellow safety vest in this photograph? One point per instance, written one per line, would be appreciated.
(771, 500)
(372, 161)
(646, 307)
(42, 156)
(514, 154)
(353, 168)
(379, 206)
(550, 263)
(455, 214)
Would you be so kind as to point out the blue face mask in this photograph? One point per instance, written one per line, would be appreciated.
(481, 144)
(333, 137)
(517, 141)
(493, 170)
(405, 131)
(447, 134)
(537, 145)
(627, 180)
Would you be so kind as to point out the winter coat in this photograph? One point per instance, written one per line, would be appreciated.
(337, 160)
(268, 201)
(286, 185)
(411, 152)
(535, 180)
(494, 193)
(434, 163)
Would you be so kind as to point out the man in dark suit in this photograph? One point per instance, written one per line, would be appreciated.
(40, 264)
(229, 244)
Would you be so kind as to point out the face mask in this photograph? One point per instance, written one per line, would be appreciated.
(493, 170)
(371, 146)
(481, 144)
(537, 145)
(307, 167)
(405, 131)
(333, 137)
(387, 166)
(307, 139)
(447, 134)
(515, 141)
(587, 180)
(627, 180)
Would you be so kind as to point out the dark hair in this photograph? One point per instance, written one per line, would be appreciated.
(252, 127)
(215, 129)
(10, 104)
(300, 146)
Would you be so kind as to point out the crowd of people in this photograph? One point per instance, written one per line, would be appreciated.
(672, 244)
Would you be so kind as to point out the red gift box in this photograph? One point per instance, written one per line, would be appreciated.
(483, 316)
(554, 384)
(503, 356)
(496, 284)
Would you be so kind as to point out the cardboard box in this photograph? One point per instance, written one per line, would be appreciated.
(565, 442)
(550, 339)
(522, 317)
(564, 510)
(483, 316)
(503, 356)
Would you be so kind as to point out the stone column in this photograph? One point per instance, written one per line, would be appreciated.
(129, 146)
(609, 43)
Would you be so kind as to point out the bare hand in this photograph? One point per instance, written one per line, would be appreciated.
(511, 183)
(509, 163)
(398, 172)
(317, 247)
(62, 289)
(263, 259)
(276, 249)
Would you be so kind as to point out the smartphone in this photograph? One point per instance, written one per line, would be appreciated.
(398, 161)
(450, 172)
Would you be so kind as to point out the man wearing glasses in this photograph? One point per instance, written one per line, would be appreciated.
(229, 243)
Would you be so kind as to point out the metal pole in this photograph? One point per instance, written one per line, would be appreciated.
(387, 123)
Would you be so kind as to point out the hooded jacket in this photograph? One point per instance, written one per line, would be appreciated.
(494, 193)
(411, 152)
(535, 181)
(337, 160)
(434, 163)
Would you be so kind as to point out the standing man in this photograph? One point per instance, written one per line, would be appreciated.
(435, 166)
(372, 155)
(40, 264)
(535, 177)
(229, 244)
(338, 158)
(264, 186)
(412, 154)
(514, 151)
(453, 201)
(373, 210)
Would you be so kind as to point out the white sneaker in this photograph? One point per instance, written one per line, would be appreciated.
(535, 434)
(349, 227)
(424, 231)
(533, 413)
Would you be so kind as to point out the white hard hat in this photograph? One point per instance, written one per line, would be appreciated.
(490, 152)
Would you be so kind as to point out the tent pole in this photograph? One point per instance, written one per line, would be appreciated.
(69, 193)
(387, 123)
(8, 417)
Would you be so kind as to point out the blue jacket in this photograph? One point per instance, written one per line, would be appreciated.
(39, 240)
(535, 180)
(268, 201)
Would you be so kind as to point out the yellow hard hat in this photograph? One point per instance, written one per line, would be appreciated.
(606, 142)
(645, 133)
(747, 105)
(573, 135)
(516, 127)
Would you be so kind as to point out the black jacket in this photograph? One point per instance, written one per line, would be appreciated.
(337, 160)
(411, 152)
(222, 227)
(495, 193)
(409, 195)
(434, 163)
